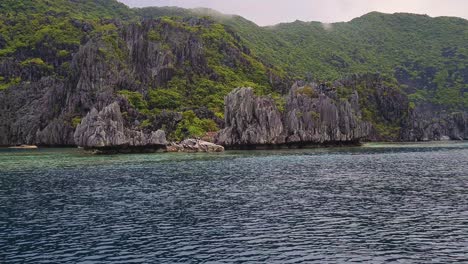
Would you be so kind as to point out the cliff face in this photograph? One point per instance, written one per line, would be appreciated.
(316, 114)
(250, 120)
(312, 116)
(393, 118)
(41, 111)
(45, 105)
(29, 114)
(105, 129)
(427, 122)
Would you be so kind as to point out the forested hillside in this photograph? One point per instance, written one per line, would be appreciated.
(428, 56)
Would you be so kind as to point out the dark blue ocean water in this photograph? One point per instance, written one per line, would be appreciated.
(374, 204)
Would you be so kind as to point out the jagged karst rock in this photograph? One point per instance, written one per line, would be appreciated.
(250, 120)
(316, 115)
(101, 129)
(105, 130)
(312, 115)
(41, 109)
(427, 122)
(385, 103)
(2, 42)
(459, 128)
(391, 103)
(423, 121)
(29, 114)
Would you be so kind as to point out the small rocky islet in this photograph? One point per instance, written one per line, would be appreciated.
(103, 132)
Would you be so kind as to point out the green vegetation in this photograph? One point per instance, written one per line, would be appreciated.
(307, 91)
(135, 99)
(76, 121)
(36, 62)
(165, 99)
(52, 24)
(387, 131)
(280, 102)
(154, 36)
(63, 53)
(191, 126)
(4, 83)
(146, 123)
(80, 9)
(386, 128)
(315, 116)
(428, 54)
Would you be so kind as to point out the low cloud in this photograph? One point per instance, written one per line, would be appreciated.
(270, 12)
(210, 12)
(327, 26)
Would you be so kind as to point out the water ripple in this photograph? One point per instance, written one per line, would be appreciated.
(376, 204)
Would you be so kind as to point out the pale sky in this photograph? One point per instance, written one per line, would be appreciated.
(270, 12)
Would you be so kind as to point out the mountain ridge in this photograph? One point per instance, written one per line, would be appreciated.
(181, 11)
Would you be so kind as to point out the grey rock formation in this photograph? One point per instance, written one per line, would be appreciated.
(194, 145)
(312, 116)
(390, 105)
(105, 129)
(318, 116)
(40, 109)
(459, 127)
(426, 123)
(250, 120)
(28, 114)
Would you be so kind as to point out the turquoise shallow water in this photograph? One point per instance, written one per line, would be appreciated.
(395, 203)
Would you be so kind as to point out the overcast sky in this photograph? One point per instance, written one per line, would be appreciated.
(269, 12)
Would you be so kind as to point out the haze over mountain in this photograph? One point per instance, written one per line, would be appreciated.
(268, 12)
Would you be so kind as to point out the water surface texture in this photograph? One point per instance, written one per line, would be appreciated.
(405, 203)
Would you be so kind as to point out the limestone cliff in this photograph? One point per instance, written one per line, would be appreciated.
(316, 114)
(44, 106)
(393, 118)
(250, 120)
(105, 130)
(311, 116)
(426, 122)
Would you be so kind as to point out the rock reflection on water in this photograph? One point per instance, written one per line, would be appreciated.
(378, 203)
